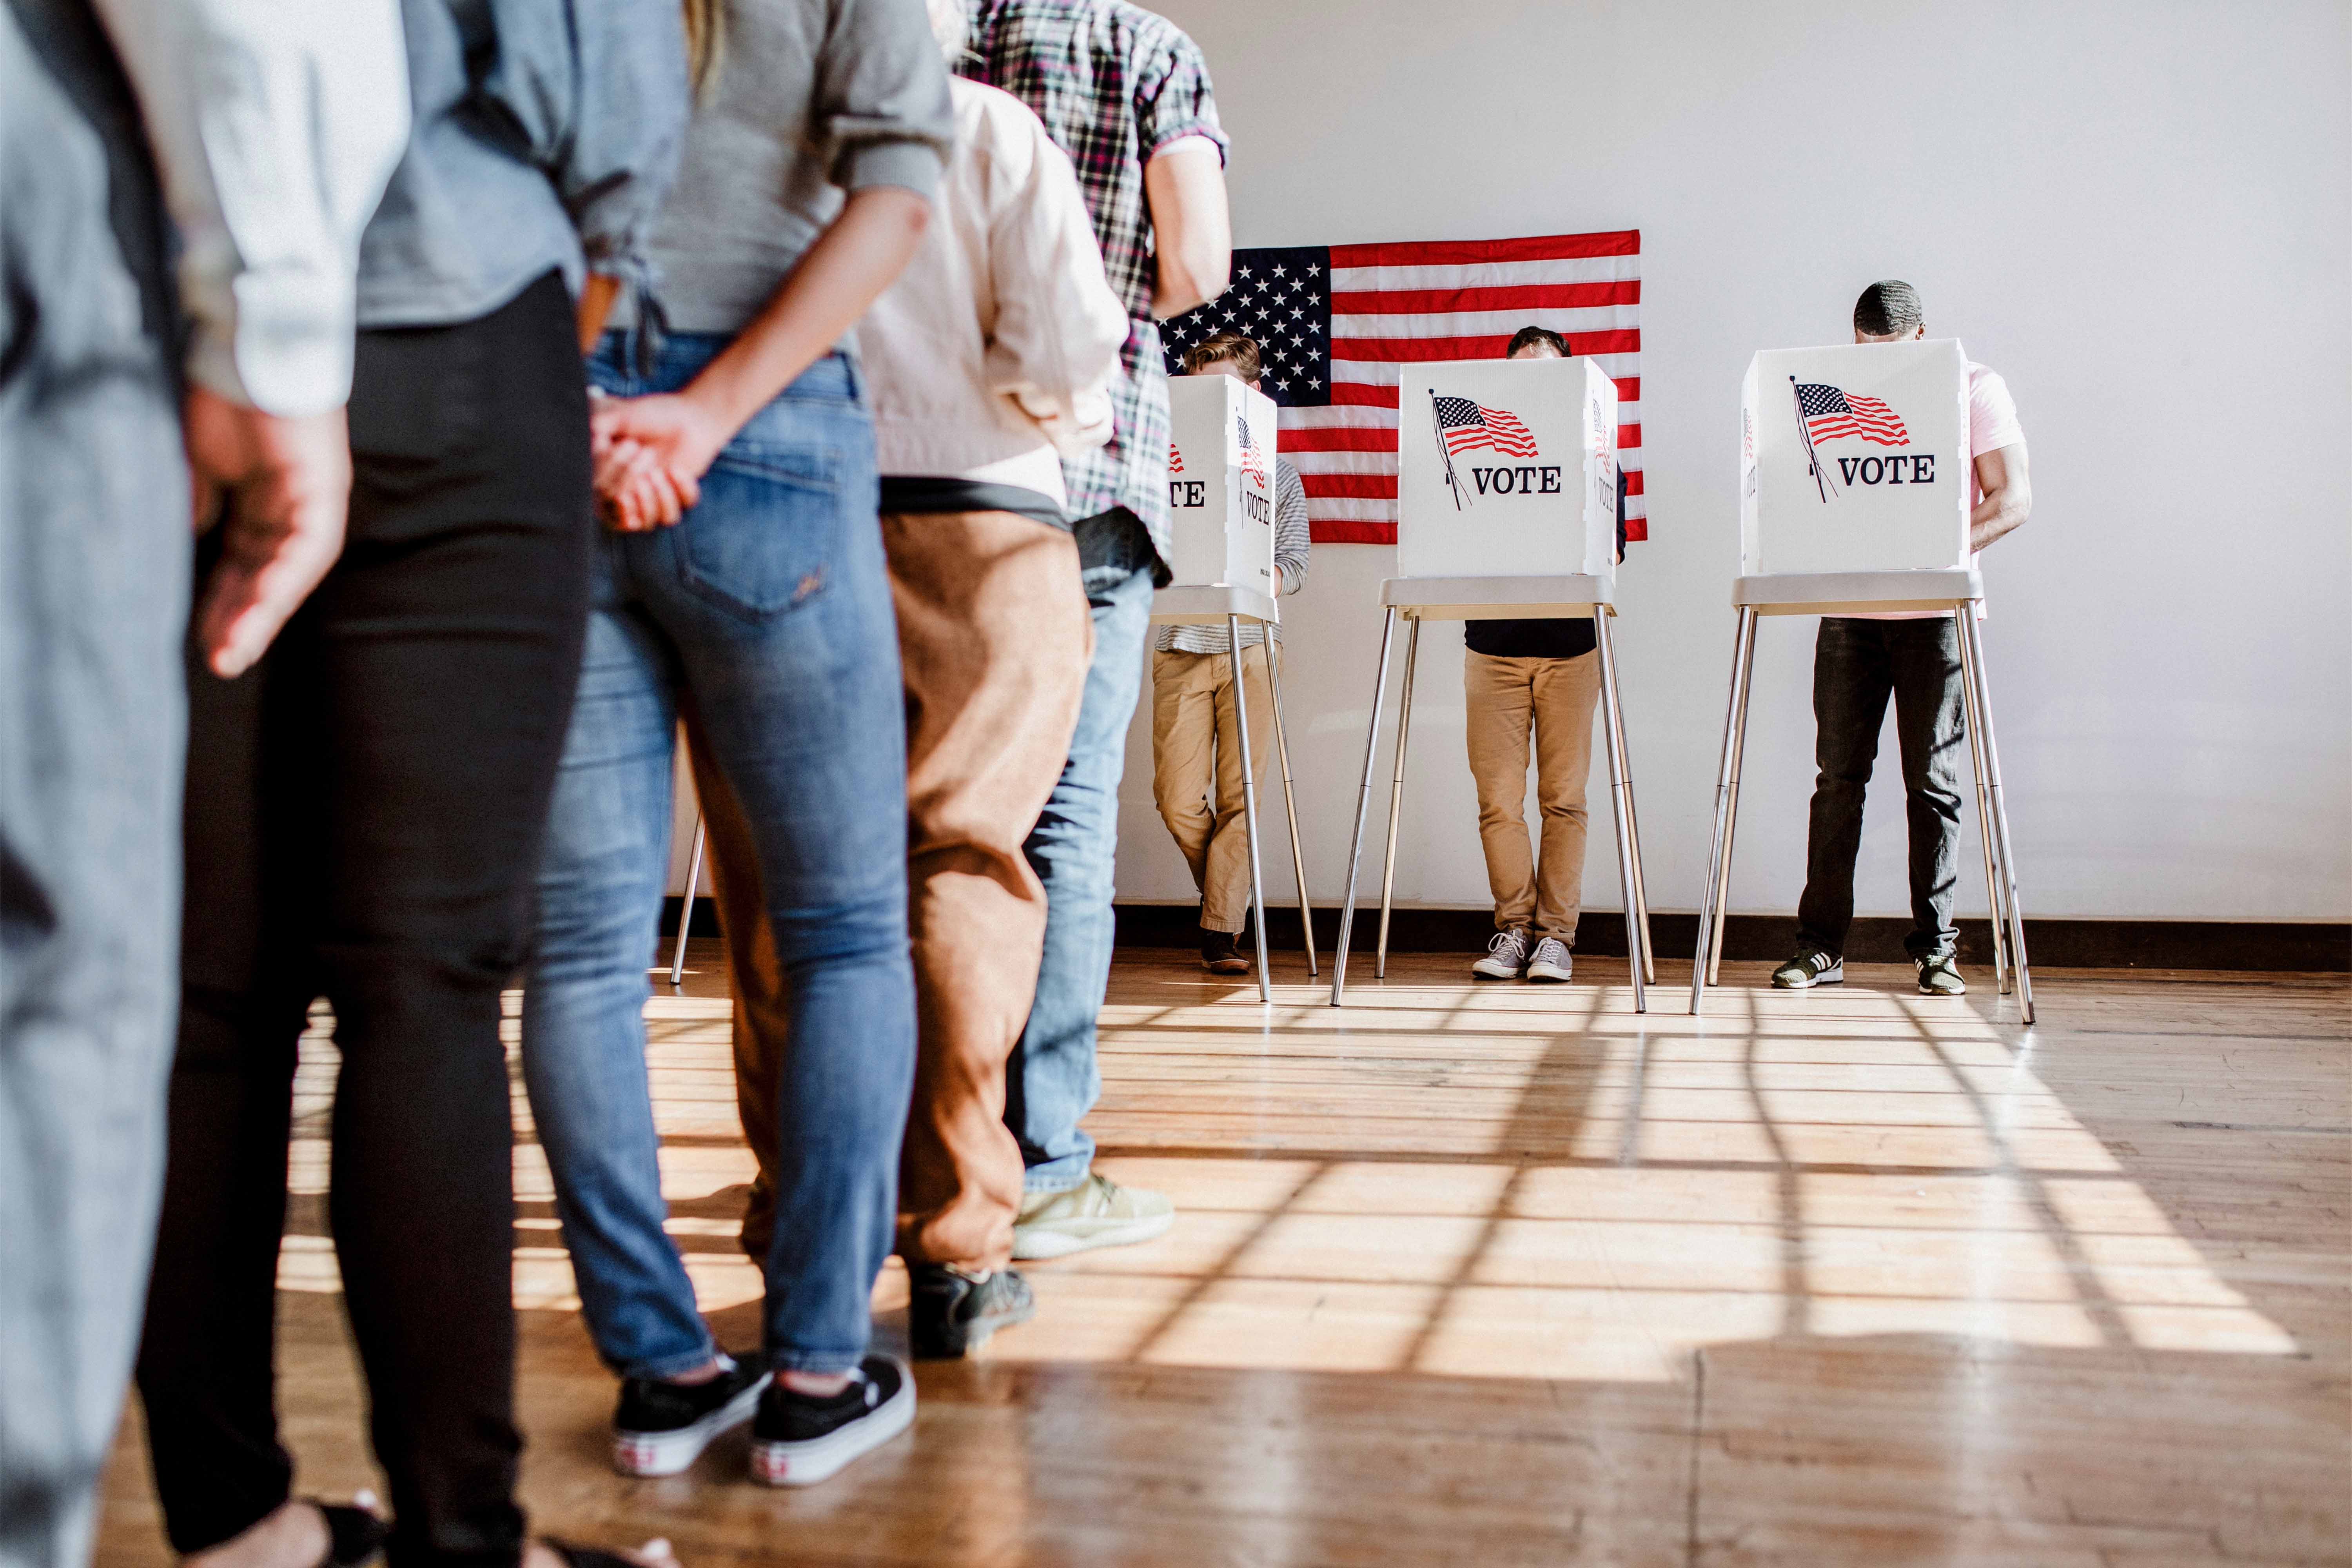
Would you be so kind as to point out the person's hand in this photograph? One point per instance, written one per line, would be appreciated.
(279, 489)
(651, 454)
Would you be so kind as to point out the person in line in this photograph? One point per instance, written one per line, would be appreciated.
(1541, 678)
(1859, 661)
(365, 805)
(1127, 95)
(991, 357)
(742, 587)
(99, 439)
(1196, 764)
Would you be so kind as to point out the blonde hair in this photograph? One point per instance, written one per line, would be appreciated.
(706, 41)
(950, 21)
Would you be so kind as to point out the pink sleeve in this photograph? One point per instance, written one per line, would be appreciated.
(1992, 413)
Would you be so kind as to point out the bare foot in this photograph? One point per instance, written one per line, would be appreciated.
(816, 1385)
(294, 1535)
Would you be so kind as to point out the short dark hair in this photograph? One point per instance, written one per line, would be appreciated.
(1527, 337)
(1887, 308)
(1234, 346)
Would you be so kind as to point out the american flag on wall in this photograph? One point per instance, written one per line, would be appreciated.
(1335, 323)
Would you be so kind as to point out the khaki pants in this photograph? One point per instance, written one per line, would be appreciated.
(1196, 770)
(1504, 699)
(994, 636)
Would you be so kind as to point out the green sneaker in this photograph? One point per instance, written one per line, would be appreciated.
(1810, 968)
(1097, 1213)
(1940, 976)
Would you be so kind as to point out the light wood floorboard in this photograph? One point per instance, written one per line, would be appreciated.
(1509, 1275)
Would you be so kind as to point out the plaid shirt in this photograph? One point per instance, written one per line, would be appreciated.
(1114, 84)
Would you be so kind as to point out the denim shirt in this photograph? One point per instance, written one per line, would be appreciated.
(546, 133)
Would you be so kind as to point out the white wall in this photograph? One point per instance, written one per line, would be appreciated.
(2136, 212)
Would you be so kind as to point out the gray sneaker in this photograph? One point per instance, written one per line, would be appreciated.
(1810, 968)
(1551, 961)
(1507, 955)
(1940, 976)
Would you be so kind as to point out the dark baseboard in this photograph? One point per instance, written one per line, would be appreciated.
(2056, 943)
(2309, 945)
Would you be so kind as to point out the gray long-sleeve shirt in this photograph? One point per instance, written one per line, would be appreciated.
(814, 98)
(546, 133)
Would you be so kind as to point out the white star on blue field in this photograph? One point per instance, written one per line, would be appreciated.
(1282, 298)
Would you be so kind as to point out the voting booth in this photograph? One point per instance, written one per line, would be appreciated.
(1220, 500)
(1506, 509)
(1221, 483)
(1854, 458)
(1507, 468)
(1855, 485)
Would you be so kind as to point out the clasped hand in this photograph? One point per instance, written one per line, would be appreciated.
(650, 454)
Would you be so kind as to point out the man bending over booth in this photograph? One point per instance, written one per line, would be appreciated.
(1914, 656)
(1196, 760)
(1539, 677)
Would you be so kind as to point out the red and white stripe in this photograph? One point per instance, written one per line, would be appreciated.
(1396, 304)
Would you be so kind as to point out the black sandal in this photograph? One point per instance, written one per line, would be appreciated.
(354, 1535)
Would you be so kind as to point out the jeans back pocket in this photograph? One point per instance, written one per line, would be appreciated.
(764, 538)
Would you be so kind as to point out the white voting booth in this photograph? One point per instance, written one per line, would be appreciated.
(1506, 509)
(1856, 486)
(1221, 523)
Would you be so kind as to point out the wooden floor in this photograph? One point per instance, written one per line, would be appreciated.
(1513, 1276)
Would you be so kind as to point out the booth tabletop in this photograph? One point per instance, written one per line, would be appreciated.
(1855, 592)
(1513, 598)
(1209, 606)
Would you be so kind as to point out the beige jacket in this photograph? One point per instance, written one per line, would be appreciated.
(992, 353)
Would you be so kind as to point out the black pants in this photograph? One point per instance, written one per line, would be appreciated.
(1857, 665)
(364, 812)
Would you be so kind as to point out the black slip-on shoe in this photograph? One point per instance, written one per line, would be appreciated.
(799, 1439)
(663, 1428)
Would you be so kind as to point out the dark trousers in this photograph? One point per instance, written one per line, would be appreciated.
(363, 815)
(1857, 664)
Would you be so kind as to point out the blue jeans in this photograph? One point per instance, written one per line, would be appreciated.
(1051, 1082)
(766, 613)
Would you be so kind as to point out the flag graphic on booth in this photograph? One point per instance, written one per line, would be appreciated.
(1830, 414)
(1336, 325)
(1252, 459)
(1463, 424)
(1175, 459)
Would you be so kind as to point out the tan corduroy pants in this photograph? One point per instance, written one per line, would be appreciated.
(994, 636)
(1196, 770)
(1505, 701)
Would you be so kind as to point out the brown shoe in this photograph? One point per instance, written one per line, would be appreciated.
(1221, 953)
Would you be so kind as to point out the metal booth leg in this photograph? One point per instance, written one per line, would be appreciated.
(1249, 801)
(686, 912)
(1984, 804)
(1603, 636)
(1627, 852)
(1290, 800)
(1363, 808)
(1396, 795)
(1719, 856)
(1731, 812)
(1972, 651)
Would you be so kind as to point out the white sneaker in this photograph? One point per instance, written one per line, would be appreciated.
(1098, 1212)
(1506, 956)
(1551, 961)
